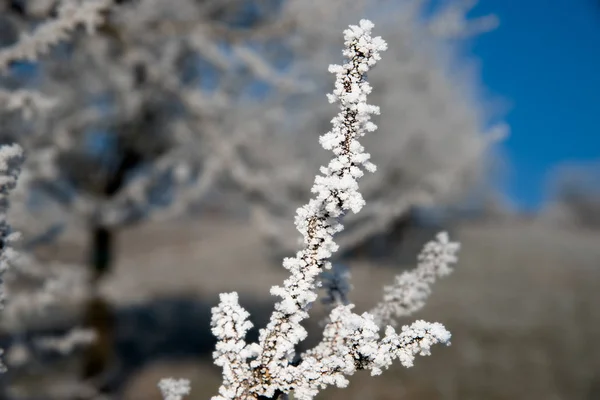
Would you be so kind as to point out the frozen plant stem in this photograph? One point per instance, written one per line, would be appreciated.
(336, 191)
(351, 341)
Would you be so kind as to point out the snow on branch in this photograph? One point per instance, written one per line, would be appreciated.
(336, 192)
(411, 289)
(71, 14)
(27, 102)
(230, 325)
(351, 342)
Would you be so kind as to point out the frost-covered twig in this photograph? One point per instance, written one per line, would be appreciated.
(71, 14)
(351, 341)
(411, 289)
(406, 296)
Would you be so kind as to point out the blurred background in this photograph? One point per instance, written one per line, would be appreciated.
(167, 152)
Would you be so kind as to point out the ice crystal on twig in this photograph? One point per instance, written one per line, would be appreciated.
(351, 341)
(411, 289)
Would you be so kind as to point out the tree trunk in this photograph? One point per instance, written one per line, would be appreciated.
(98, 314)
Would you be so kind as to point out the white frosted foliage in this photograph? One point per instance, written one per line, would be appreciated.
(11, 159)
(271, 368)
(174, 389)
(71, 14)
(411, 289)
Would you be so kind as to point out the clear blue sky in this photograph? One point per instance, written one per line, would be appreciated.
(545, 60)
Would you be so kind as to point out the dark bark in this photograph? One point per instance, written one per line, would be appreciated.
(98, 314)
(102, 252)
(99, 356)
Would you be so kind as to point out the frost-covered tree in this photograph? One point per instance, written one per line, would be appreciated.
(132, 120)
(271, 368)
(30, 288)
(150, 113)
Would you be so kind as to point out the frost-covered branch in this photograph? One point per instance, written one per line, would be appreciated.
(230, 325)
(71, 14)
(336, 192)
(411, 289)
(351, 342)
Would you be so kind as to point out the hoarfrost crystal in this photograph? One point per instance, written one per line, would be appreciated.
(271, 367)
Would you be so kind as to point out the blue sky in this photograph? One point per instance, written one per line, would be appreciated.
(545, 60)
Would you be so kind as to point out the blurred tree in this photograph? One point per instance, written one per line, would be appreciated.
(169, 102)
(137, 106)
(575, 196)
